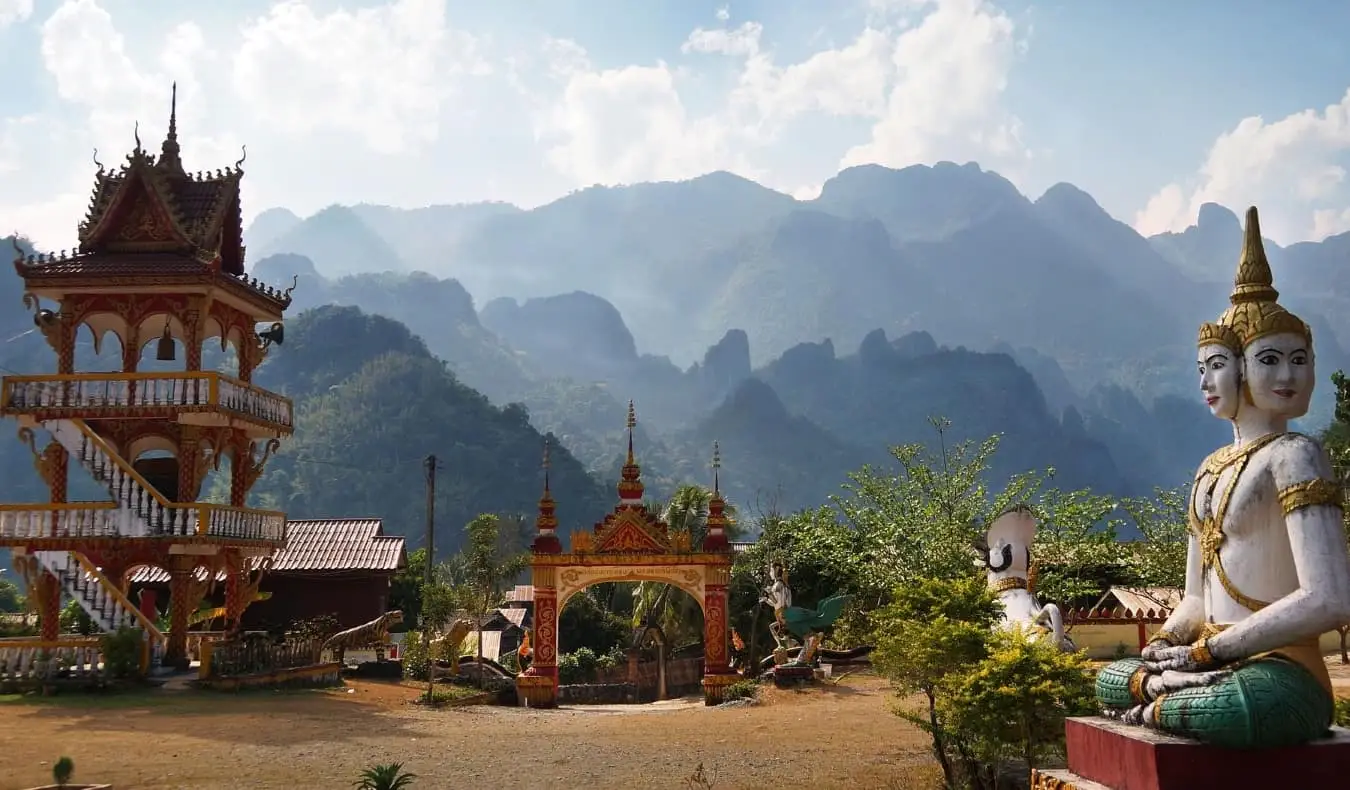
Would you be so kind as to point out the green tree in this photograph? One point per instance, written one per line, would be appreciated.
(1077, 551)
(11, 600)
(1159, 559)
(441, 602)
(405, 590)
(487, 568)
(678, 614)
(932, 630)
(1336, 439)
(1011, 705)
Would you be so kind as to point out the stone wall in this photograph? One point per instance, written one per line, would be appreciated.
(598, 694)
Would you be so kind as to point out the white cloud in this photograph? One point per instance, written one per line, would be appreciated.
(380, 72)
(932, 92)
(1292, 169)
(12, 11)
(950, 71)
(393, 103)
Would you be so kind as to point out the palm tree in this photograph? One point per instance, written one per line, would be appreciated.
(679, 616)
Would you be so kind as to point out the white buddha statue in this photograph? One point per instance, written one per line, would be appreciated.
(1005, 553)
(1267, 572)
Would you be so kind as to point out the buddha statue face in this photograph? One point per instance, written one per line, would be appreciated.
(1279, 374)
(1220, 379)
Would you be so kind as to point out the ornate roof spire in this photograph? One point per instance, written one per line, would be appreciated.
(1256, 311)
(715, 537)
(1254, 282)
(546, 523)
(630, 486)
(168, 153)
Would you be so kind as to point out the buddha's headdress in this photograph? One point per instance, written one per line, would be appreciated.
(1215, 334)
(1256, 311)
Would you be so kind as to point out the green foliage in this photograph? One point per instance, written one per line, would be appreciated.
(11, 600)
(1159, 559)
(75, 619)
(585, 623)
(63, 770)
(1011, 705)
(741, 689)
(1078, 551)
(319, 627)
(933, 628)
(122, 651)
(405, 590)
(389, 776)
(1343, 712)
(416, 662)
(578, 666)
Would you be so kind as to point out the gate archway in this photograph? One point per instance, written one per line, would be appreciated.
(629, 544)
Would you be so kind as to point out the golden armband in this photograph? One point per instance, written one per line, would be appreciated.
(1163, 635)
(1309, 493)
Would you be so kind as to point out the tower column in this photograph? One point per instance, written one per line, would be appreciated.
(538, 685)
(49, 604)
(180, 583)
(717, 671)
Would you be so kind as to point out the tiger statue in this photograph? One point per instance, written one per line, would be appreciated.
(448, 646)
(372, 635)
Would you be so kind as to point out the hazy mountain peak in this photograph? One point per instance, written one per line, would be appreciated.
(1219, 218)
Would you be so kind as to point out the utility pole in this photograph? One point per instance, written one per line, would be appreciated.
(427, 578)
(431, 516)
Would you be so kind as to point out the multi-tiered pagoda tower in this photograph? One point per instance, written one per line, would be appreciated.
(160, 267)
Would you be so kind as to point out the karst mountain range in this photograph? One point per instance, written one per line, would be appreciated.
(805, 336)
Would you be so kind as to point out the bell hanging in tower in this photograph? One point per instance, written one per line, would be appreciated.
(165, 351)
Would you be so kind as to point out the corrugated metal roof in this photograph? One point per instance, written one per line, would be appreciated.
(320, 546)
(515, 615)
(492, 644)
(523, 593)
(1142, 599)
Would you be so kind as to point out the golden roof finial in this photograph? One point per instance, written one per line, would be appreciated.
(1254, 282)
(632, 423)
(716, 466)
(1256, 311)
(546, 464)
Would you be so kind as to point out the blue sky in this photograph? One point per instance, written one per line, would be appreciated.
(1153, 107)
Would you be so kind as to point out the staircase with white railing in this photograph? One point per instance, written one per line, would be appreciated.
(154, 515)
(91, 590)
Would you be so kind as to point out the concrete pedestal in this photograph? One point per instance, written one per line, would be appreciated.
(1107, 755)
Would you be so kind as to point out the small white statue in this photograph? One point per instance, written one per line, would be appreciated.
(1005, 552)
(1237, 664)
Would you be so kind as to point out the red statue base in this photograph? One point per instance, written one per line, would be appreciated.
(1107, 755)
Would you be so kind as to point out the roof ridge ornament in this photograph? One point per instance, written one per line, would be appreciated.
(169, 159)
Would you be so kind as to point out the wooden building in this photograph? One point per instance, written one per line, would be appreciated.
(342, 567)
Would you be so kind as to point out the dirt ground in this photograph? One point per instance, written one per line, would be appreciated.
(841, 736)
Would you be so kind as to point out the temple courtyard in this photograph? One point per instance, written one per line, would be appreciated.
(840, 735)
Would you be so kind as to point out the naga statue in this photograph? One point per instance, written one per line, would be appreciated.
(1005, 552)
(1237, 663)
(804, 624)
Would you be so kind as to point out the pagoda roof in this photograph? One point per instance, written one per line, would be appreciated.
(150, 207)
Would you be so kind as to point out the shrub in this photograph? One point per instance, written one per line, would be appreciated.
(321, 627)
(577, 667)
(1012, 704)
(122, 651)
(510, 662)
(74, 619)
(416, 661)
(1343, 712)
(741, 689)
(62, 771)
(390, 776)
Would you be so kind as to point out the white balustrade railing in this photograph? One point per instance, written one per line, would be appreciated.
(106, 607)
(243, 523)
(76, 520)
(32, 660)
(197, 390)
